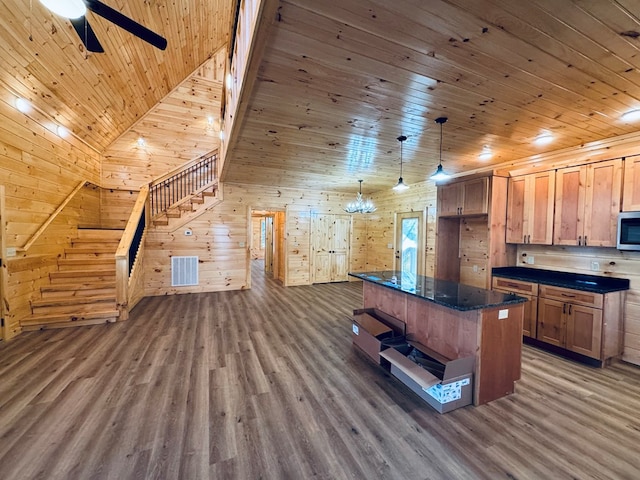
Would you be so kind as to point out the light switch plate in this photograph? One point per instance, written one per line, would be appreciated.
(502, 314)
(595, 266)
(530, 260)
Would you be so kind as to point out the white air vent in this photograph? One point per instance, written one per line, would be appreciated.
(184, 271)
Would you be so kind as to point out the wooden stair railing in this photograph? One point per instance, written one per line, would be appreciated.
(170, 191)
(127, 251)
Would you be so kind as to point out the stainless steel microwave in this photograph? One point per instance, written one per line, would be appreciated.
(629, 231)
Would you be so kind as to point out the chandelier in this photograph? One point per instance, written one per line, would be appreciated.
(360, 205)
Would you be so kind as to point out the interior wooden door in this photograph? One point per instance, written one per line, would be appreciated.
(330, 247)
(340, 242)
(269, 245)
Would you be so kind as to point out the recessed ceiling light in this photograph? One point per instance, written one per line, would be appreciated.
(229, 81)
(543, 139)
(221, 135)
(23, 105)
(62, 131)
(631, 116)
(210, 119)
(486, 153)
(141, 142)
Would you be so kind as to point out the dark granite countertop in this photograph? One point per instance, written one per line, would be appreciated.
(588, 283)
(443, 292)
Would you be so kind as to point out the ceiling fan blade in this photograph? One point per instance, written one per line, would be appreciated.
(86, 34)
(126, 23)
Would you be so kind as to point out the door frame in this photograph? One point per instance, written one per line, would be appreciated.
(279, 224)
(3, 264)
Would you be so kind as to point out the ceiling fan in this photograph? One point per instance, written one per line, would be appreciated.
(75, 11)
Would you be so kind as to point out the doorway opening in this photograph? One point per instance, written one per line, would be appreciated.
(267, 242)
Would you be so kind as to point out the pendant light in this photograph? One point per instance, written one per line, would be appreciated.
(440, 173)
(401, 186)
(360, 205)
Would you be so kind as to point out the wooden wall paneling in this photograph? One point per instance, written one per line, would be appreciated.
(298, 247)
(116, 206)
(474, 250)
(257, 250)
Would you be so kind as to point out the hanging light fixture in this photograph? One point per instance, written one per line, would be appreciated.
(360, 205)
(440, 173)
(401, 186)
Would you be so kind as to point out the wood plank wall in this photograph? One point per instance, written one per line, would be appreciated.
(39, 170)
(257, 251)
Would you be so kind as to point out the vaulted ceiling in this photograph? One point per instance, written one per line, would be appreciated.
(339, 81)
(99, 96)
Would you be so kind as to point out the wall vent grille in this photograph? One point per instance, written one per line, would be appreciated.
(184, 271)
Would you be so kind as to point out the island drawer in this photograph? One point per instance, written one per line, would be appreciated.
(577, 297)
(515, 286)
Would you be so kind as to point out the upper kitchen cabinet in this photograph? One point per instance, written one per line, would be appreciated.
(470, 243)
(530, 208)
(631, 192)
(587, 204)
(469, 197)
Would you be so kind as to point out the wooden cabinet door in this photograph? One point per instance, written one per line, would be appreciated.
(631, 189)
(516, 193)
(528, 290)
(602, 203)
(539, 207)
(475, 196)
(584, 330)
(449, 200)
(570, 190)
(551, 321)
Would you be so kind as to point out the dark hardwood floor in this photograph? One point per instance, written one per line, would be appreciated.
(264, 384)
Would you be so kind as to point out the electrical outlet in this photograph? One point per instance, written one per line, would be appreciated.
(530, 260)
(475, 269)
(11, 251)
(390, 245)
(595, 266)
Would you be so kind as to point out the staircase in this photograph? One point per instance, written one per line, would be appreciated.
(82, 290)
(188, 209)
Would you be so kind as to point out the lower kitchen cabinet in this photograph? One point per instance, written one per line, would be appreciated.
(528, 290)
(583, 324)
(573, 319)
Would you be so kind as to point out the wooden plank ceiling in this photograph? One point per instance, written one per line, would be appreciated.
(99, 96)
(341, 80)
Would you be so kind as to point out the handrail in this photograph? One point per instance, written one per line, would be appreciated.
(171, 191)
(53, 216)
(128, 248)
(185, 165)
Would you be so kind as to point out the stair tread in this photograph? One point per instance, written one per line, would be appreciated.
(37, 319)
(94, 285)
(73, 300)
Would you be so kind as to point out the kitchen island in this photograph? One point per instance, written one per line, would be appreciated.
(455, 320)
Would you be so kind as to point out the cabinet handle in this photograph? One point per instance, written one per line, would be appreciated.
(569, 309)
(513, 285)
(524, 239)
(564, 308)
(580, 240)
(528, 238)
(585, 240)
(570, 295)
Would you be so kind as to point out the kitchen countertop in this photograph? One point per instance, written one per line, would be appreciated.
(442, 292)
(576, 281)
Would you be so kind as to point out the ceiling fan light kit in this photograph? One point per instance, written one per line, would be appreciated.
(440, 174)
(75, 11)
(70, 9)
